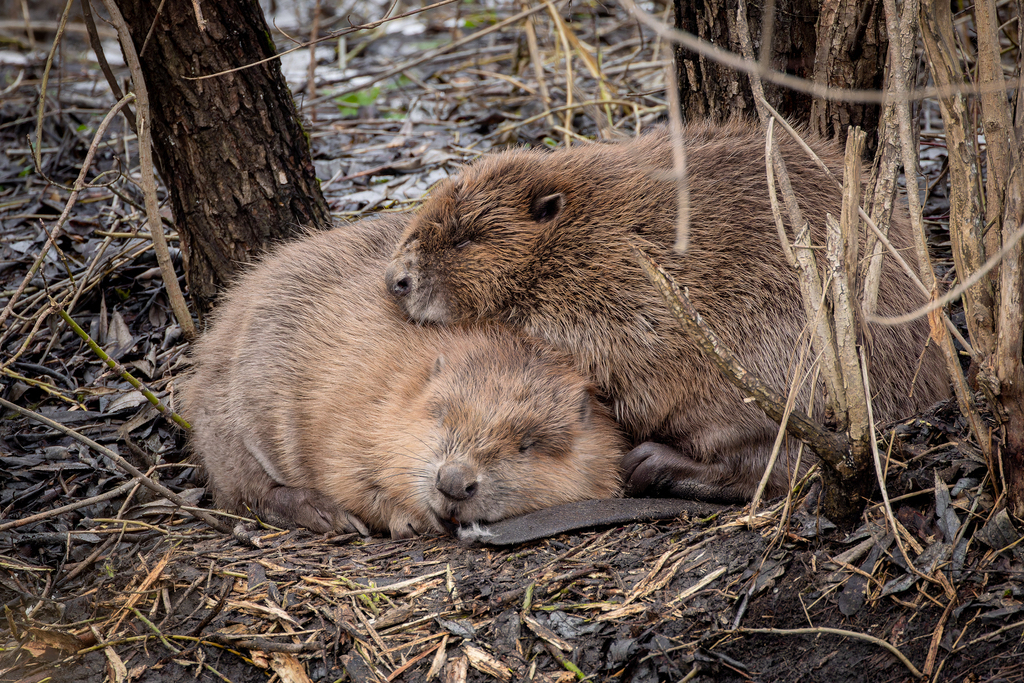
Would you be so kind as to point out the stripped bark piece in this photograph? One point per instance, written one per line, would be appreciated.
(486, 663)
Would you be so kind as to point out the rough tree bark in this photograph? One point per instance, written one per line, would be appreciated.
(851, 52)
(840, 43)
(231, 149)
(710, 90)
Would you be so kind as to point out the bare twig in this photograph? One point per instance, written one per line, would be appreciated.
(1007, 253)
(121, 370)
(562, 30)
(838, 632)
(678, 163)
(794, 389)
(314, 33)
(967, 216)
(264, 644)
(120, 462)
(65, 214)
(52, 391)
(1002, 149)
(148, 179)
(822, 441)
(842, 254)
(902, 30)
(37, 149)
(933, 647)
(15, 85)
(538, 64)
(780, 226)
(77, 292)
(811, 289)
(84, 502)
(880, 471)
(101, 58)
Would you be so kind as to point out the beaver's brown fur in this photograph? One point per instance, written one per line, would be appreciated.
(541, 241)
(314, 403)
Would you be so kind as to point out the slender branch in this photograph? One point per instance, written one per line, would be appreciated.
(120, 462)
(121, 370)
(967, 215)
(538, 64)
(1002, 150)
(678, 163)
(75, 190)
(901, 30)
(839, 632)
(880, 471)
(84, 502)
(769, 168)
(842, 255)
(101, 58)
(830, 447)
(38, 147)
(811, 289)
(148, 179)
(1008, 252)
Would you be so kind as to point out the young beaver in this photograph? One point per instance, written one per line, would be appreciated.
(541, 241)
(314, 403)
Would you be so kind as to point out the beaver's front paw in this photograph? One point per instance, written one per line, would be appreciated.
(403, 525)
(289, 506)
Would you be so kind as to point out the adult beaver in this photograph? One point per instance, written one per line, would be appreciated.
(541, 241)
(314, 403)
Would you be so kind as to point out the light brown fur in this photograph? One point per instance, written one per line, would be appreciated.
(314, 403)
(540, 241)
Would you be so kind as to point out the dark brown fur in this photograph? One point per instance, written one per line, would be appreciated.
(314, 403)
(540, 241)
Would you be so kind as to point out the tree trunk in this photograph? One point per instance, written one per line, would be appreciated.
(231, 149)
(839, 43)
(851, 52)
(709, 90)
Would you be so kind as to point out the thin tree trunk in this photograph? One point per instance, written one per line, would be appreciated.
(231, 149)
(967, 217)
(709, 90)
(840, 43)
(851, 52)
(1008, 365)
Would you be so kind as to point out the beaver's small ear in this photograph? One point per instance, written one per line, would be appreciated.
(438, 366)
(547, 207)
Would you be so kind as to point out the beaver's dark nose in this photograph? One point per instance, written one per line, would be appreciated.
(398, 279)
(456, 482)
